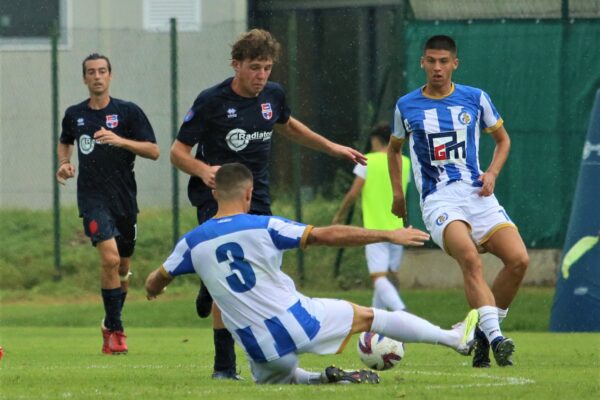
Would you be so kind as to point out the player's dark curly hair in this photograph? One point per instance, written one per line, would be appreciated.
(441, 42)
(96, 56)
(382, 131)
(256, 44)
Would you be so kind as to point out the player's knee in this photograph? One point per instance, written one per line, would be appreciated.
(111, 263)
(519, 264)
(470, 262)
(363, 319)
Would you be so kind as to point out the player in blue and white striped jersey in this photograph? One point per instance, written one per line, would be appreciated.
(442, 121)
(239, 255)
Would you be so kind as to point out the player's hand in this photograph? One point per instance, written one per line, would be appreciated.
(208, 175)
(104, 136)
(399, 208)
(349, 153)
(409, 236)
(489, 183)
(65, 172)
(151, 297)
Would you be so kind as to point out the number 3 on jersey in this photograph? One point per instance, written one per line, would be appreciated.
(243, 278)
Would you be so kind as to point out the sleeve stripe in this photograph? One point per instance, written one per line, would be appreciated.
(164, 272)
(495, 126)
(304, 239)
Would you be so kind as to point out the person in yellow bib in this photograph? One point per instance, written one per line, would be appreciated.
(372, 182)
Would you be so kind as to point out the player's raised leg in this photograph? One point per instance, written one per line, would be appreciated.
(409, 328)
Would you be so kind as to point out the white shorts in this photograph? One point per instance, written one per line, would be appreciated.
(383, 257)
(336, 318)
(462, 202)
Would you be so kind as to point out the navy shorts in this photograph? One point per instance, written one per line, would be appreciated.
(100, 225)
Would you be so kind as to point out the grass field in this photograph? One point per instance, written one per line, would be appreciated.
(52, 351)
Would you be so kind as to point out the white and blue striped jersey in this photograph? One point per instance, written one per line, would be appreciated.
(444, 135)
(239, 260)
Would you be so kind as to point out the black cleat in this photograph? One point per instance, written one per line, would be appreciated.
(228, 374)
(203, 302)
(481, 358)
(503, 349)
(334, 374)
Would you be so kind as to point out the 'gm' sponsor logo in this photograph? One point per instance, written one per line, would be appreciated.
(86, 144)
(447, 147)
(238, 139)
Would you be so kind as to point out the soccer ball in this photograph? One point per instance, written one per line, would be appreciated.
(379, 352)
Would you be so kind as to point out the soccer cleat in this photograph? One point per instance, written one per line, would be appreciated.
(105, 337)
(203, 302)
(334, 374)
(481, 356)
(503, 348)
(228, 374)
(117, 343)
(467, 328)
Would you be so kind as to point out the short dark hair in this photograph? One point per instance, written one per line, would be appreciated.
(441, 42)
(231, 177)
(96, 56)
(382, 131)
(256, 44)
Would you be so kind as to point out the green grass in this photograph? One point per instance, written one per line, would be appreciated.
(52, 351)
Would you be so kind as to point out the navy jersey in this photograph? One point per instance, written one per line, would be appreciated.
(230, 128)
(106, 176)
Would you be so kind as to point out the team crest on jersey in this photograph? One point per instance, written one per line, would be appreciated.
(267, 112)
(441, 219)
(79, 121)
(112, 121)
(188, 116)
(464, 118)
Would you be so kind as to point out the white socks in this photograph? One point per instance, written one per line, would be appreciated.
(405, 327)
(502, 314)
(304, 377)
(488, 322)
(386, 295)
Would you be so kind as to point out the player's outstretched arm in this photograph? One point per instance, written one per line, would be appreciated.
(156, 282)
(345, 236)
(304, 136)
(394, 154)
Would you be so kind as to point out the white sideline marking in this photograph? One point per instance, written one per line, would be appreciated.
(499, 380)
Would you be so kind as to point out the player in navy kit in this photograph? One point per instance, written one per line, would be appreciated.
(442, 122)
(233, 121)
(109, 133)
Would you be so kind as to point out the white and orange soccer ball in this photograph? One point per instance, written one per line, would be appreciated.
(379, 352)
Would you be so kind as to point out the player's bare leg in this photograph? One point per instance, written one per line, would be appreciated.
(507, 245)
(461, 247)
(112, 327)
(458, 243)
(124, 274)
